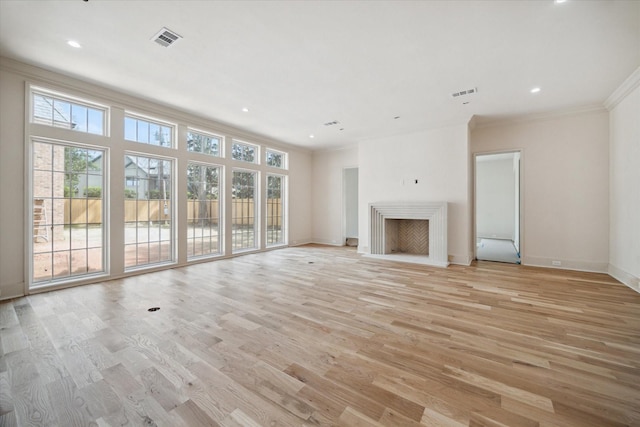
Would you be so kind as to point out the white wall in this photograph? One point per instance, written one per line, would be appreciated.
(624, 197)
(300, 197)
(328, 196)
(12, 187)
(565, 178)
(351, 202)
(13, 227)
(495, 198)
(439, 160)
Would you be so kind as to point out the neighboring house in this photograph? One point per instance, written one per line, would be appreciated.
(137, 179)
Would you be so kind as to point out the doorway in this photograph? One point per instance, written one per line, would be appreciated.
(350, 203)
(497, 204)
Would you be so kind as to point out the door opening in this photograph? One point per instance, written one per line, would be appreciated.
(497, 204)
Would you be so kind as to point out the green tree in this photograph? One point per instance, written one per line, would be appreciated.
(203, 185)
(77, 161)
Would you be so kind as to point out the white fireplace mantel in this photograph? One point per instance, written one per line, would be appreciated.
(435, 212)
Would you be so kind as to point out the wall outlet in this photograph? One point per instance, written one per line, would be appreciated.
(556, 263)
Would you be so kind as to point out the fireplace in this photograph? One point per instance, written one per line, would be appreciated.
(406, 236)
(409, 232)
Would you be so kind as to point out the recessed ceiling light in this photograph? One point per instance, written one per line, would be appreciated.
(74, 43)
(245, 109)
(535, 90)
(311, 136)
(559, 1)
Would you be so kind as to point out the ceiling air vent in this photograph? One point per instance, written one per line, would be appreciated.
(464, 92)
(165, 37)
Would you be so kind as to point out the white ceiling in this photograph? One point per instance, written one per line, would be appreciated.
(299, 64)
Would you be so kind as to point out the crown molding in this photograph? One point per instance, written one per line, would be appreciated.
(548, 115)
(628, 86)
(55, 80)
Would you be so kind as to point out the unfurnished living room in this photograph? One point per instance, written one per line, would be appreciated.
(320, 213)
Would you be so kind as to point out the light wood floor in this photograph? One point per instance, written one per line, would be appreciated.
(320, 336)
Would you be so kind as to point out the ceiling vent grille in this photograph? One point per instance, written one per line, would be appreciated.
(464, 92)
(165, 37)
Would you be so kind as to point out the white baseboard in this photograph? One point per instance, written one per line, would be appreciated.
(14, 290)
(300, 242)
(566, 264)
(460, 260)
(327, 242)
(626, 278)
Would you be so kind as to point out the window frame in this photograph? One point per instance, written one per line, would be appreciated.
(73, 100)
(256, 150)
(285, 158)
(257, 229)
(173, 211)
(221, 145)
(31, 284)
(151, 121)
(284, 197)
(221, 211)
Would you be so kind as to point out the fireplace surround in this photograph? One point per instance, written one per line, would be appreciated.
(434, 212)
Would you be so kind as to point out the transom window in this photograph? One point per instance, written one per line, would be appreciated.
(276, 159)
(148, 131)
(244, 152)
(204, 143)
(59, 112)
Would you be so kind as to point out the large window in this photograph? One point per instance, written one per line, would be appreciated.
(67, 211)
(148, 131)
(244, 152)
(148, 212)
(59, 112)
(203, 210)
(244, 224)
(275, 210)
(230, 206)
(199, 142)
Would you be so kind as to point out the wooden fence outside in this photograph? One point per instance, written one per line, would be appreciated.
(83, 211)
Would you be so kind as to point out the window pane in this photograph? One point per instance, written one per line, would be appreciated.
(130, 129)
(53, 111)
(42, 109)
(244, 152)
(61, 114)
(79, 118)
(205, 144)
(276, 159)
(148, 213)
(68, 222)
(275, 210)
(143, 131)
(95, 123)
(203, 210)
(147, 132)
(243, 216)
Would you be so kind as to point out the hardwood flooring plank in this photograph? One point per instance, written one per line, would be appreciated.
(321, 336)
